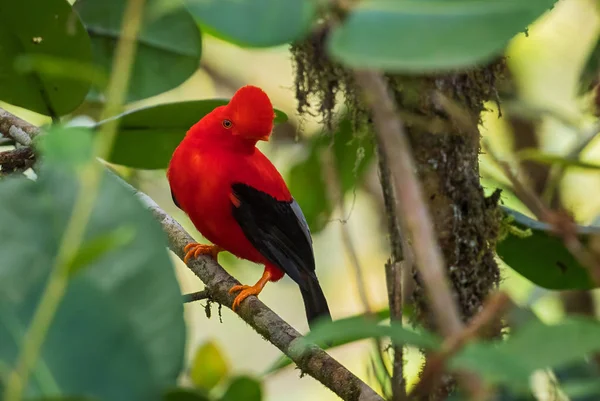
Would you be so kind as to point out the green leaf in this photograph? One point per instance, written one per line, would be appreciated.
(419, 36)
(589, 73)
(123, 313)
(95, 248)
(66, 398)
(41, 28)
(580, 380)
(183, 394)
(344, 331)
(169, 46)
(255, 23)
(243, 388)
(533, 251)
(65, 147)
(353, 153)
(148, 136)
(534, 346)
(209, 366)
(538, 156)
(88, 326)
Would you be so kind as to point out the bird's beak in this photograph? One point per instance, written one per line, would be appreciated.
(264, 138)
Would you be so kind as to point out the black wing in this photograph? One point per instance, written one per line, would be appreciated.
(278, 230)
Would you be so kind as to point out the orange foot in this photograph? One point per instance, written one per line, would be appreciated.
(195, 249)
(247, 290)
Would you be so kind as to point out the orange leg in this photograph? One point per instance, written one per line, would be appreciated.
(247, 290)
(195, 249)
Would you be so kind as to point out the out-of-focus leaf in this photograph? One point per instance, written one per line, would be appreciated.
(183, 394)
(255, 23)
(419, 36)
(344, 331)
(88, 326)
(96, 247)
(66, 398)
(534, 346)
(209, 366)
(581, 381)
(147, 137)
(46, 28)
(168, 50)
(122, 313)
(531, 250)
(538, 156)
(66, 147)
(582, 390)
(352, 155)
(589, 73)
(243, 388)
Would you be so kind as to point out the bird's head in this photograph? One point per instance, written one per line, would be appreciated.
(247, 119)
(249, 115)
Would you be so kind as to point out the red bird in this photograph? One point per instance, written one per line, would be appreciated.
(238, 200)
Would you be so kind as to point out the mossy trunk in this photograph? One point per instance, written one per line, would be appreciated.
(446, 154)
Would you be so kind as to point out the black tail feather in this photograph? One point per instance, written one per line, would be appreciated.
(315, 303)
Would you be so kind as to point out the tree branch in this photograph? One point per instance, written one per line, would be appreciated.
(311, 360)
(16, 160)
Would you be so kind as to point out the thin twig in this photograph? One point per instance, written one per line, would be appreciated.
(563, 225)
(336, 194)
(415, 218)
(311, 360)
(556, 174)
(492, 311)
(196, 296)
(393, 272)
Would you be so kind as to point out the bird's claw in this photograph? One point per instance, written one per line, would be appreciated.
(246, 291)
(195, 249)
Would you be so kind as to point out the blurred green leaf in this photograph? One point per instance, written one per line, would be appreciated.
(65, 398)
(419, 36)
(168, 51)
(122, 314)
(353, 153)
(183, 394)
(582, 390)
(96, 247)
(354, 328)
(589, 73)
(243, 388)
(209, 366)
(581, 380)
(41, 28)
(68, 147)
(88, 326)
(534, 346)
(147, 137)
(542, 257)
(255, 23)
(538, 156)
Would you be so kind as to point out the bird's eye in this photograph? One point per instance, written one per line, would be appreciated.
(227, 124)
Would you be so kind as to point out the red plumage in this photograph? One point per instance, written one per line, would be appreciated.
(238, 200)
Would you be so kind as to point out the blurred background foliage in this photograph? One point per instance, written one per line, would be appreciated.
(224, 355)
